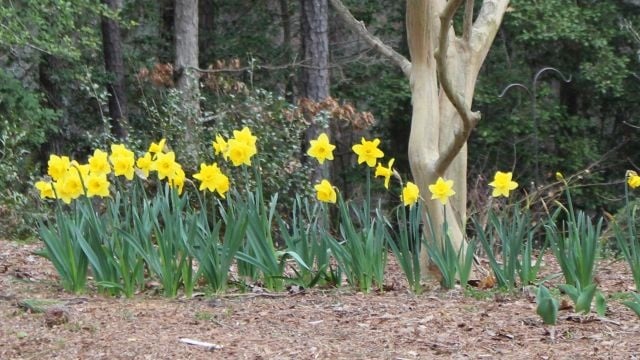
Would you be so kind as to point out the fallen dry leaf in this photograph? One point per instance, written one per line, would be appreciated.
(488, 282)
(56, 316)
(565, 305)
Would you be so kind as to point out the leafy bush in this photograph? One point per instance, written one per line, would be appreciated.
(280, 127)
(19, 142)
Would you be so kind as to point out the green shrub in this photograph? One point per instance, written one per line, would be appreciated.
(20, 141)
(280, 128)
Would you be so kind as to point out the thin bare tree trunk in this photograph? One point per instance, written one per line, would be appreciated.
(114, 65)
(315, 74)
(186, 61)
(315, 43)
(285, 19)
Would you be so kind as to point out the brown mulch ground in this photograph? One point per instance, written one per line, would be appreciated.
(314, 324)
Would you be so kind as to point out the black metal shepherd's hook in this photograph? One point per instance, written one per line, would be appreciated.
(533, 94)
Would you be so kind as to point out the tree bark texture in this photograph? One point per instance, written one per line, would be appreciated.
(114, 65)
(315, 43)
(315, 73)
(186, 63)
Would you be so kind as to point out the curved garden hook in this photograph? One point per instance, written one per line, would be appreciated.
(533, 95)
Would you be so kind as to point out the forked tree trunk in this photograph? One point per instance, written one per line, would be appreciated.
(443, 72)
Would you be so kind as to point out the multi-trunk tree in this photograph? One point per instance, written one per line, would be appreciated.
(442, 72)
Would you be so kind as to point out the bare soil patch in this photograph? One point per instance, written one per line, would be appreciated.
(310, 324)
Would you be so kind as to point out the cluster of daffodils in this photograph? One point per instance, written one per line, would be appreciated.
(502, 185)
(369, 153)
(239, 150)
(321, 149)
(68, 179)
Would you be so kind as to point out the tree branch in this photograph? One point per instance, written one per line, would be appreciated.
(469, 119)
(372, 40)
(487, 24)
(468, 21)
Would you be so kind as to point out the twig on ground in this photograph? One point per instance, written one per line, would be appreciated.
(206, 345)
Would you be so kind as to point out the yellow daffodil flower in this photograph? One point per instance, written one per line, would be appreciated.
(176, 180)
(321, 149)
(212, 179)
(99, 163)
(502, 184)
(46, 189)
(220, 146)
(58, 166)
(245, 136)
(144, 164)
(325, 192)
(123, 166)
(97, 185)
(633, 180)
(240, 153)
(164, 164)
(385, 172)
(368, 151)
(410, 194)
(442, 190)
(118, 150)
(69, 187)
(158, 147)
(123, 161)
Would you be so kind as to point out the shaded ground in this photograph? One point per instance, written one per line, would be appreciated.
(316, 324)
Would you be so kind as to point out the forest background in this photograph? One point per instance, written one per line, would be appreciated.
(79, 75)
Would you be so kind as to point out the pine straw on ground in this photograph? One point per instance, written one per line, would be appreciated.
(311, 324)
